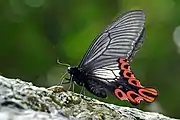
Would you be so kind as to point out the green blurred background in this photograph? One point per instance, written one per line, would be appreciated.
(34, 33)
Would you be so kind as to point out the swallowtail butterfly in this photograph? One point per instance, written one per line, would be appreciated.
(106, 64)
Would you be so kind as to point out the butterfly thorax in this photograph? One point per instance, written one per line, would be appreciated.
(77, 75)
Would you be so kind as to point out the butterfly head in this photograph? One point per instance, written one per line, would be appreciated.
(77, 75)
(69, 70)
(72, 70)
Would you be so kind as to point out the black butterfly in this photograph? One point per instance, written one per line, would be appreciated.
(105, 66)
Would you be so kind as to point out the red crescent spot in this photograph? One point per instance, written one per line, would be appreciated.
(118, 92)
(152, 90)
(148, 94)
(128, 74)
(124, 65)
(134, 82)
(121, 60)
(135, 100)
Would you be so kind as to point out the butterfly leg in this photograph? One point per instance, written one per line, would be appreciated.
(70, 82)
(66, 82)
(73, 88)
(62, 79)
(82, 91)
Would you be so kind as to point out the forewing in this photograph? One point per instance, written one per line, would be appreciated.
(119, 40)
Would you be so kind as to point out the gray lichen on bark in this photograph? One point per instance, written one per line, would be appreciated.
(23, 100)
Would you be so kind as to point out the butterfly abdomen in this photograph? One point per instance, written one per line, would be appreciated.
(95, 87)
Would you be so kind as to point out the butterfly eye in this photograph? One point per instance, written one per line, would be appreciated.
(120, 94)
(125, 66)
(148, 94)
(134, 82)
(134, 98)
(128, 74)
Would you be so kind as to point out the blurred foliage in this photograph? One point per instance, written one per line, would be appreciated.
(35, 33)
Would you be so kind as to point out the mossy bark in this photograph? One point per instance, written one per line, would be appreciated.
(22, 100)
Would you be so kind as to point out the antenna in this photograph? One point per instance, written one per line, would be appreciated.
(64, 64)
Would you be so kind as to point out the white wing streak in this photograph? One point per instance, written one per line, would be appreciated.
(106, 74)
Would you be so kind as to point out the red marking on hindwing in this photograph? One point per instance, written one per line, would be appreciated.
(134, 92)
(125, 66)
(134, 98)
(134, 82)
(120, 94)
(128, 74)
(148, 94)
(122, 60)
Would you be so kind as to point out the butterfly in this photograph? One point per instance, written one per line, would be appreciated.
(106, 64)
